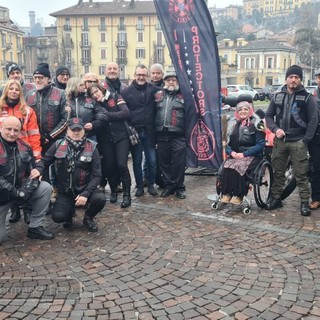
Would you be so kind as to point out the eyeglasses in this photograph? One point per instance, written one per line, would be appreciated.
(94, 92)
(91, 81)
(141, 75)
(38, 77)
(64, 75)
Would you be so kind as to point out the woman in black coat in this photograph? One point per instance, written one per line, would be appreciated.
(112, 136)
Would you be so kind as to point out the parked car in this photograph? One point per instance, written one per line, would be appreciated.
(273, 89)
(238, 89)
(312, 90)
(262, 93)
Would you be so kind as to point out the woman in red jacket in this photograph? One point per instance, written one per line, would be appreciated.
(12, 103)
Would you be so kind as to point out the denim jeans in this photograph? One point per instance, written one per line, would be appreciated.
(150, 154)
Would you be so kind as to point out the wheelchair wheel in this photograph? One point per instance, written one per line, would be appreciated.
(290, 183)
(262, 183)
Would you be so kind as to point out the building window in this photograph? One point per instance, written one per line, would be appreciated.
(103, 37)
(140, 53)
(160, 55)
(249, 63)
(103, 54)
(159, 38)
(102, 26)
(121, 23)
(140, 36)
(85, 39)
(270, 63)
(102, 70)
(85, 26)
(68, 56)
(140, 23)
(122, 39)
(122, 53)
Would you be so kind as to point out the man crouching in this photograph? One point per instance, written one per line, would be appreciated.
(78, 171)
(16, 162)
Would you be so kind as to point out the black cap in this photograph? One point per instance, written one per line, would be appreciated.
(295, 69)
(74, 123)
(10, 67)
(43, 69)
(63, 70)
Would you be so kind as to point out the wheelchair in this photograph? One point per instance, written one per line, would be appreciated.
(260, 180)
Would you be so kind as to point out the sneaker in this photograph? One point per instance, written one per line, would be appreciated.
(236, 200)
(225, 198)
(90, 224)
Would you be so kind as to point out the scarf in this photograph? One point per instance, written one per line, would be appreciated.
(12, 103)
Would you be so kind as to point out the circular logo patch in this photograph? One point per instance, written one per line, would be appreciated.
(181, 10)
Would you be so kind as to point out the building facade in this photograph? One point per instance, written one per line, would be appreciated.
(91, 34)
(11, 43)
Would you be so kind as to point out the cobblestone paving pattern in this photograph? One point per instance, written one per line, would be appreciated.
(167, 259)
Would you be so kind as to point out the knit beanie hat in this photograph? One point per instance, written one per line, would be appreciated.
(61, 70)
(294, 69)
(43, 69)
(10, 67)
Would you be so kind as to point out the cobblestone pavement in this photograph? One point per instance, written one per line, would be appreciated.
(167, 259)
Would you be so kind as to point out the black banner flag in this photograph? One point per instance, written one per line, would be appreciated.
(190, 35)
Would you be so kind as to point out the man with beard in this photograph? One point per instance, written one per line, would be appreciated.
(171, 140)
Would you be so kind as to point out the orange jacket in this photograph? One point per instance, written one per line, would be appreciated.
(30, 131)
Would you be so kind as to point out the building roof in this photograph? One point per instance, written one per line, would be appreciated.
(108, 8)
(265, 45)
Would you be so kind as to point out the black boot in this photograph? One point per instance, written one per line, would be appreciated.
(126, 201)
(15, 215)
(113, 197)
(26, 216)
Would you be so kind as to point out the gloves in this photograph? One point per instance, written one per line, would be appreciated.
(26, 190)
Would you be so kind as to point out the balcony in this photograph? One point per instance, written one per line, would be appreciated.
(102, 27)
(140, 26)
(66, 27)
(121, 27)
(85, 61)
(85, 44)
(42, 46)
(122, 44)
(122, 61)
(85, 28)
(20, 47)
(160, 60)
(159, 44)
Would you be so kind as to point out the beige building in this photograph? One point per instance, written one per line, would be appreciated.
(260, 63)
(91, 34)
(270, 8)
(11, 45)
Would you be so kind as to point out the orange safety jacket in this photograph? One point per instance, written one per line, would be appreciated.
(30, 131)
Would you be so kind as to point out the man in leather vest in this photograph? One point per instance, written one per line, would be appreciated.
(293, 117)
(314, 151)
(78, 169)
(16, 162)
(171, 140)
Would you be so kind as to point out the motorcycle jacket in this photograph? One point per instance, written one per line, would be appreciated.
(50, 107)
(77, 172)
(16, 161)
(295, 113)
(170, 112)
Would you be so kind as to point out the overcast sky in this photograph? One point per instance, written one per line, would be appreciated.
(19, 9)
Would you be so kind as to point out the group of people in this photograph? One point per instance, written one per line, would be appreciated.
(68, 136)
(293, 118)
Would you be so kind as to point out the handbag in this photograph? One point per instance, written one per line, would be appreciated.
(132, 133)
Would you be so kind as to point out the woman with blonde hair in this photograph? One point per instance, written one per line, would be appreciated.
(12, 103)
